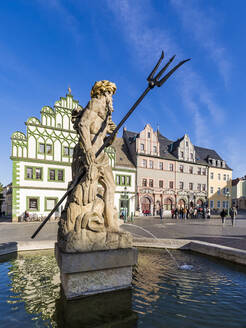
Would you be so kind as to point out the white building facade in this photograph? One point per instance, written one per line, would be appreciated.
(42, 162)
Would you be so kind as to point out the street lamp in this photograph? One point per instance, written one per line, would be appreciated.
(228, 197)
(125, 204)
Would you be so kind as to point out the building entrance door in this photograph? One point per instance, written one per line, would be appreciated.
(145, 205)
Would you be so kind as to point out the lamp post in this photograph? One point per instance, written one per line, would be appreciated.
(125, 204)
(228, 197)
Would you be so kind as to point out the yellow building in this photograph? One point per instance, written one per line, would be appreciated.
(219, 184)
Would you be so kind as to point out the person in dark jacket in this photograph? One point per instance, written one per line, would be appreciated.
(223, 215)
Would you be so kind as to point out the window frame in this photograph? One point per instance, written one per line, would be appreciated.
(34, 174)
(28, 198)
(56, 174)
(45, 203)
(45, 148)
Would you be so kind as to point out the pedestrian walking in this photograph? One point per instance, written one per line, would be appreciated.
(184, 213)
(233, 214)
(208, 213)
(223, 215)
(195, 213)
(176, 213)
(161, 213)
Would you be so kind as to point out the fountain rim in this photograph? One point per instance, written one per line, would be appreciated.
(230, 254)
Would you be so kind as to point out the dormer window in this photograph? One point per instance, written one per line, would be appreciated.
(148, 134)
(187, 143)
(142, 147)
(223, 164)
(181, 154)
(155, 149)
(218, 163)
(213, 162)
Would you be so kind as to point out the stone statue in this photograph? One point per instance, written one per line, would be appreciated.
(89, 220)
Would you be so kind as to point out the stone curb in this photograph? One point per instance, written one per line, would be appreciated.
(223, 252)
(18, 246)
(234, 255)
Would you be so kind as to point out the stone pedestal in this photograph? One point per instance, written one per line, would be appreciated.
(95, 272)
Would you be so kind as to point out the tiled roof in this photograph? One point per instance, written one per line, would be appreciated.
(202, 154)
(123, 157)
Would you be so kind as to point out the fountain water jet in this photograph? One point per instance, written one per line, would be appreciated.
(182, 267)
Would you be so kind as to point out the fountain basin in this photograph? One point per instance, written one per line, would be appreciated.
(211, 294)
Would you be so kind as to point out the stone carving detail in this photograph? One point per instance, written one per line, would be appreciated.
(89, 220)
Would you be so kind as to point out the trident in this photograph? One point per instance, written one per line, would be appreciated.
(153, 81)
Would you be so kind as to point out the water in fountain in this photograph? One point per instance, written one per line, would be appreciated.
(181, 267)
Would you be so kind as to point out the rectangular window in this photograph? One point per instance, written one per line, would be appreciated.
(50, 203)
(161, 165)
(199, 187)
(148, 134)
(123, 180)
(41, 148)
(49, 149)
(190, 186)
(224, 177)
(128, 180)
(218, 203)
(32, 203)
(219, 176)
(56, 175)
(171, 184)
(228, 178)
(224, 204)
(38, 172)
(45, 149)
(199, 171)
(60, 174)
(171, 167)
(151, 182)
(29, 173)
(182, 154)
(191, 170)
(144, 183)
(218, 191)
(151, 164)
(191, 156)
(211, 204)
(52, 175)
(34, 173)
(204, 187)
(144, 163)
(142, 147)
(204, 171)
(155, 149)
(211, 190)
(161, 184)
(181, 185)
(211, 175)
(67, 151)
(181, 168)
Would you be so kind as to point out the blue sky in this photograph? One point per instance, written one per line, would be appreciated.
(46, 46)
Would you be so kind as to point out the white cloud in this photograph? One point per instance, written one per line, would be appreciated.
(203, 29)
(147, 41)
